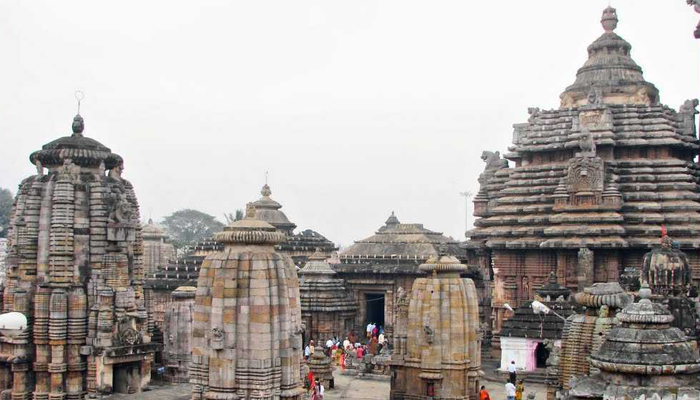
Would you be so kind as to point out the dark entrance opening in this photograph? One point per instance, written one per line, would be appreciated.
(127, 378)
(541, 355)
(375, 309)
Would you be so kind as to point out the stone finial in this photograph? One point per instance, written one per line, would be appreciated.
(609, 19)
(78, 125)
(266, 192)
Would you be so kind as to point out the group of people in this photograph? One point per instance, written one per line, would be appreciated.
(513, 391)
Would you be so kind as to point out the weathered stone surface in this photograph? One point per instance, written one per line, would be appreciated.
(642, 358)
(246, 335)
(442, 355)
(177, 351)
(75, 269)
(327, 306)
(157, 251)
(603, 173)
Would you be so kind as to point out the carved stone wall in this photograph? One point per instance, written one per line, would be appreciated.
(442, 355)
(75, 269)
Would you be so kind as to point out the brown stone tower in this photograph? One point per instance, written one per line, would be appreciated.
(157, 251)
(246, 337)
(177, 345)
(75, 269)
(592, 184)
(327, 306)
(441, 357)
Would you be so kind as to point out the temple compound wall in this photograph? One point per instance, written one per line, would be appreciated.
(75, 269)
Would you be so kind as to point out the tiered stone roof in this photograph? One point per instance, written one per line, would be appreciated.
(307, 241)
(645, 161)
(183, 271)
(526, 324)
(321, 290)
(396, 242)
(269, 211)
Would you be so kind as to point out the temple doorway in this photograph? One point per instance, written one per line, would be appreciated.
(127, 377)
(541, 355)
(374, 311)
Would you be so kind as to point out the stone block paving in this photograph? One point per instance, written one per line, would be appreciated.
(346, 388)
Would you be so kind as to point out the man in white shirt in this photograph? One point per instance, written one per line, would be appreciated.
(369, 329)
(510, 391)
(346, 343)
(381, 338)
(329, 343)
(511, 371)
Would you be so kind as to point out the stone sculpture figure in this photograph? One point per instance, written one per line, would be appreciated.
(39, 167)
(586, 142)
(585, 268)
(687, 112)
(429, 334)
(493, 160)
(116, 172)
(533, 111)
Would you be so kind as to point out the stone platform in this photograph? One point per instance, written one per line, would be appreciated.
(346, 388)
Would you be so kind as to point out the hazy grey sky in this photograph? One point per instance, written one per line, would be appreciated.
(356, 108)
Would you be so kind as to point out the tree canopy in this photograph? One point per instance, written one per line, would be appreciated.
(5, 210)
(187, 227)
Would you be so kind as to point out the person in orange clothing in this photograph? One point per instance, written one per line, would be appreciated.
(484, 394)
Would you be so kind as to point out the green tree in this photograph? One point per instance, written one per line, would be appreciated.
(5, 210)
(187, 227)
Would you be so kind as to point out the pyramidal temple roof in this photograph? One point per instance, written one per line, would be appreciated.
(610, 73)
(637, 171)
(268, 210)
(397, 240)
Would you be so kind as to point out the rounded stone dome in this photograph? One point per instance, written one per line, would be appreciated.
(83, 151)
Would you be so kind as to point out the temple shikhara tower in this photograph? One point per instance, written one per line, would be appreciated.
(75, 269)
(592, 184)
(437, 351)
(246, 334)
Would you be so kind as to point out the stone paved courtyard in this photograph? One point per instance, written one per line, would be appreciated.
(346, 388)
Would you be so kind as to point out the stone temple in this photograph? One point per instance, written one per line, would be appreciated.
(642, 358)
(246, 334)
(376, 267)
(437, 352)
(327, 306)
(75, 269)
(592, 184)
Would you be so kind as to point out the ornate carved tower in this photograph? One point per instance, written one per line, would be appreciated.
(75, 270)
